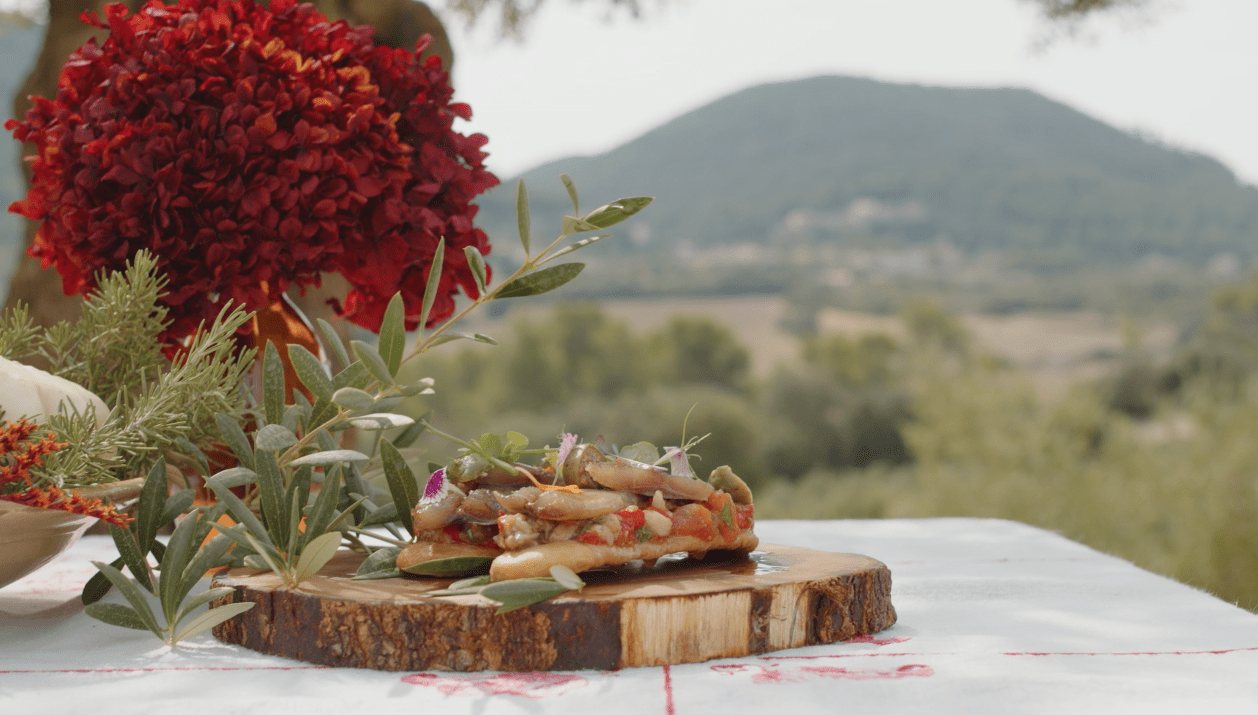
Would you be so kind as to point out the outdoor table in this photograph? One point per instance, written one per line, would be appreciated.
(994, 617)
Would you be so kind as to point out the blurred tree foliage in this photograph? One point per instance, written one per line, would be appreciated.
(923, 425)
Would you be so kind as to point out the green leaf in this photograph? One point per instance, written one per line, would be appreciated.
(574, 246)
(295, 503)
(454, 566)
(237, 508)
(462, 587)
(451, 337)
(271, 496)
(201, 599)
(203, 464)
(386, 420)
(179, 550)
(522, 592)
(131, 555)
(383, 515)
(402, 485)
(356, 375)
(393, 333)
(382, 563)
(206, 558)
(617, 211)
(522, 220)
(235, 439)
(116, 614)
(150, 507)
(491, 443)
(333, 340)
(268, 555)
(294, 415)
(322, 411)
(516, 441)
(434, 280)
(540, 281)
(572, 192)
(412, 433)
(572, 224)
(234, 477)
(274, 437)
(272, 384)
(178, 503)
(476, 264)
(329, 457)
(211, 618)
(133, 594)
(353, 398)
(373, 362)
(320, 514)
(310, 371)
(317, 555)
(97, 586)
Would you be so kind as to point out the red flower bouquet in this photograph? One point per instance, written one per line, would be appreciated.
(253, 148)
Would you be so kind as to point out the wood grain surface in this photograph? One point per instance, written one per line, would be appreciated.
(678, 611)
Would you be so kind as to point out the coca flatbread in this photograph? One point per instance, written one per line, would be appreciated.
(606, 511)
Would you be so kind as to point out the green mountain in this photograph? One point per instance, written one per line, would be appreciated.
(856, 162)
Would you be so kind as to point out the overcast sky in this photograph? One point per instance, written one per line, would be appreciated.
(585, 80)
(581, 83)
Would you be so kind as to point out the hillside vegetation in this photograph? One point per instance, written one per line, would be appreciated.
(864, 163)
(1154, 463)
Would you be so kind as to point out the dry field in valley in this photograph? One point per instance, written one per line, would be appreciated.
(1054, 348)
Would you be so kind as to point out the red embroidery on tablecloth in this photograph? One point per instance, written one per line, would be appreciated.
(669, 708)
(526, 685)
(775, 673)
(875, 641)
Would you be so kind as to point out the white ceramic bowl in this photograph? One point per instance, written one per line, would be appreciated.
(31, 537)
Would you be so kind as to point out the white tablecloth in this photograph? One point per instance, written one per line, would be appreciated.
(994, 617)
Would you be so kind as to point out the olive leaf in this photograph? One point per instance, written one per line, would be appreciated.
(434, 280)
(451, 337)
(371, 359)
(272, 384)
(453, 566)
(333, 340)
(574, 246)
(402, 485)
(310, 371)
(518, 593)
(235, 477)
(329, 457)
(572, 224)
(116, 614)
(382, 563)
(235, 438)
(353, 398)
(317, 555)
(572, 192)
(476, 264)
(393, 333)
(522, 220)
(616, 211)
(355, 374)
(212, 618)
(540, 281)
(274, 437)
(408, 436)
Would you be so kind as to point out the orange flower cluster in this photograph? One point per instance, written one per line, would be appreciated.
(19, 453)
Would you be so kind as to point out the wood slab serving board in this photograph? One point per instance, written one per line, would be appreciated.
(678, 611)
